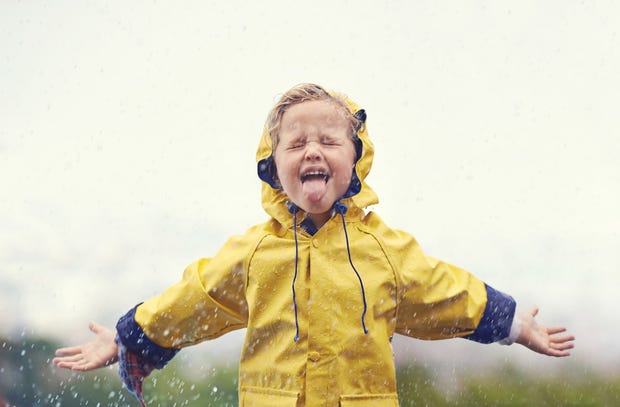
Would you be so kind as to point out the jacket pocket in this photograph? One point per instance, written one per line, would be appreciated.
(262, 397)
(374, 400)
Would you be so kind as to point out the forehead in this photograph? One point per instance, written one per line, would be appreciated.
(315, 113)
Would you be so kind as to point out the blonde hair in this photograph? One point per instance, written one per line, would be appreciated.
(306, 92)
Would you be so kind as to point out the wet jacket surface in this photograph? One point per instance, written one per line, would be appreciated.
(333, 362)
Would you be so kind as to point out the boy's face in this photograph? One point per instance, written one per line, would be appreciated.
(315, 156)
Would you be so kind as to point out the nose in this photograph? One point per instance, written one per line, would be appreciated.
(313, 151)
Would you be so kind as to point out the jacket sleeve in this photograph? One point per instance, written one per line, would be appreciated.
(437, 300)
(132, 340)
(497, 318)
(208, 302)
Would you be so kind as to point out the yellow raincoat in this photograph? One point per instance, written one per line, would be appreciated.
(248, 284)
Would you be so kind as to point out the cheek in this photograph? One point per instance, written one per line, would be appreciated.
(284, 168)
(349, 166)
(344, 179)
(343, 173)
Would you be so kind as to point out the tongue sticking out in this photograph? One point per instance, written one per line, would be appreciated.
(314, 188)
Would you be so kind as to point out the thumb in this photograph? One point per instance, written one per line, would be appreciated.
(94, 327)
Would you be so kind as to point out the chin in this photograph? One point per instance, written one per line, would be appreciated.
(318, 209)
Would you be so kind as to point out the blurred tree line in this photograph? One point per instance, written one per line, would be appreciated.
(28, 378)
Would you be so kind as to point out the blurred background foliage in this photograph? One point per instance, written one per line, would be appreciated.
(28, 378)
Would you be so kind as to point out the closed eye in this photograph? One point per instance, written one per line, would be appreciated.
(296, 144)
(328, 141)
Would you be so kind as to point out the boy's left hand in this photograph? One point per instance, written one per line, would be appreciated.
(543, 339)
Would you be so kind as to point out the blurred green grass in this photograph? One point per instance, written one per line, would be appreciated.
(28, 378)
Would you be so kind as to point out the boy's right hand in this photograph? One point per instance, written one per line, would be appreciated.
(100, 352)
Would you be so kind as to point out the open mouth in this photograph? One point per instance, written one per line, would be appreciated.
(314, 175)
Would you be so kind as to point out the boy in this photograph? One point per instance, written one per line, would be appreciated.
(321, 287)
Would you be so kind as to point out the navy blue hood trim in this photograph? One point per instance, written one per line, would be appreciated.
(497, 318)
(267, 172)
(135, 340)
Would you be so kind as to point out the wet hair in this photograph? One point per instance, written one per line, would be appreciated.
(306, 92)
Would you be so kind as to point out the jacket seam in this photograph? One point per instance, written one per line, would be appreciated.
(388, 257)
(249, 257)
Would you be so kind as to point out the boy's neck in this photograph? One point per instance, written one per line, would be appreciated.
(319, 219)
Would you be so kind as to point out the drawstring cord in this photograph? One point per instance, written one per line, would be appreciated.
(342, 209)
(292, 208)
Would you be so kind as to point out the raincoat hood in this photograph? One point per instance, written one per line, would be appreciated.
(359, 194)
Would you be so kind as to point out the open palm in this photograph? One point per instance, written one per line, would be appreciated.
(543, 339)
(100, 352)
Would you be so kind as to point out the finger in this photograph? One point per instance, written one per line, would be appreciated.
(552, 330)
(65, 364)
(84, 364)
(70, 364)
(73, 350)
(559, 339)
(59, 362)
(558, 353)
(566, 343)
(534, 311)
(72, 359)
(563, 346)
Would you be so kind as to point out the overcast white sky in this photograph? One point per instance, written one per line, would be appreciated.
(128, 132)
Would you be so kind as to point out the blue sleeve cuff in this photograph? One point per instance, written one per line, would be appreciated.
(497, 318)
(131, 335)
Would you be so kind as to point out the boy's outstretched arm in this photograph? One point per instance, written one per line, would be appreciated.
(100, 352)
(543, 339)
